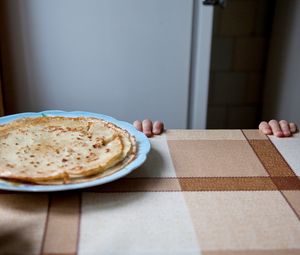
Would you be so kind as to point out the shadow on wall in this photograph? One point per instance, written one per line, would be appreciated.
(282, 90)
(21, 61)
(238, 62)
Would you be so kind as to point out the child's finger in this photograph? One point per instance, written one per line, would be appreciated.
(275, 128)
(158, 127)
(138, 125)
(293, 127)
(147, 127)
(265, 128)
(284, 126)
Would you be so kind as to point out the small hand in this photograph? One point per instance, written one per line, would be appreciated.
(279, 129)
(148, 128)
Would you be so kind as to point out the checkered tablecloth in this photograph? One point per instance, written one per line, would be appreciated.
(199, 192)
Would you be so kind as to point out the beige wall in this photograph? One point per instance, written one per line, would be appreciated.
(240, 40)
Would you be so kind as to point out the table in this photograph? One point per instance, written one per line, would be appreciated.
(199, 192)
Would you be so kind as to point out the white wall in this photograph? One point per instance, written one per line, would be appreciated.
(282, 91)
(128, 59)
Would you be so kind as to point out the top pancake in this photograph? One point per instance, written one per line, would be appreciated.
(47, 149)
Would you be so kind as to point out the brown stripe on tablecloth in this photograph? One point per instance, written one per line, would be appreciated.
(254, 252)
(172, 184)
(62, 227)
(46, 226)
(287, 183)
(226, 184)
(140, 185)
(271, 159)
(277, 167)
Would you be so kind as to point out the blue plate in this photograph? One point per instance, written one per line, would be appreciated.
(142, 144)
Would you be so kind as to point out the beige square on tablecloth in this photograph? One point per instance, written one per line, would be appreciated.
(136, 223)
(256, 220)
(213, 158)
(22, 223)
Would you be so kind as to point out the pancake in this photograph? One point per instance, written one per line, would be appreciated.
(57, 150)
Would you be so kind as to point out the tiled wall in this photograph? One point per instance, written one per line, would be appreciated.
(239, 53)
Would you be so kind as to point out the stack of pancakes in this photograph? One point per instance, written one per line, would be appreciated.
(58, 150)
